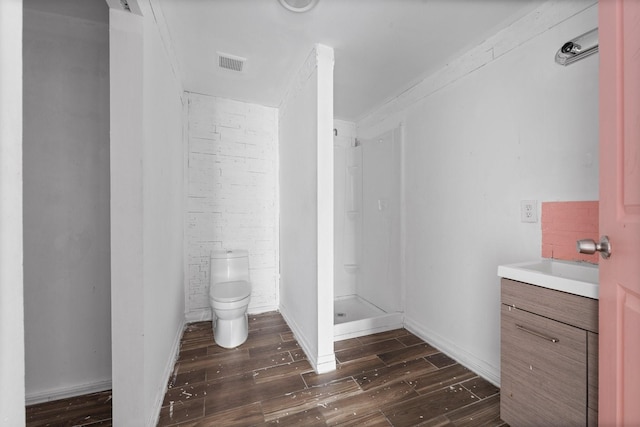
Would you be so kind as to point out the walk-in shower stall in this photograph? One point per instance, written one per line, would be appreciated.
(368, 293)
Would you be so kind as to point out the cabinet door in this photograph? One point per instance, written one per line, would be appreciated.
(592, 379)
(543, 371)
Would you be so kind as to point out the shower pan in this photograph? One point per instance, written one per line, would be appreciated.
(368, 291)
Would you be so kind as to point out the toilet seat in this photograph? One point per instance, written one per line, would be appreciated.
(230, 291)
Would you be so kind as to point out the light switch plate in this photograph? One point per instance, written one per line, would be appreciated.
(529, 211)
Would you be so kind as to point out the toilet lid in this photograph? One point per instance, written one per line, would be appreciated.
(230, 291)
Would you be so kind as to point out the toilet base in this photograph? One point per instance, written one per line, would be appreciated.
(230, 333)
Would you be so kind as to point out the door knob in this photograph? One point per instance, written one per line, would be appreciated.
(590, 246)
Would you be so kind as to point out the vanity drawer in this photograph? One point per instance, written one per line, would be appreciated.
(543, 366)
(575, 310)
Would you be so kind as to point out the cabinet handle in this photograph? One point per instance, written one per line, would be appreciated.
(537, 334)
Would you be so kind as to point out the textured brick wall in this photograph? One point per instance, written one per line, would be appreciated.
(232, 197)
(563, 223)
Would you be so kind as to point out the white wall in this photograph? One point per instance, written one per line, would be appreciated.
(11, 272)
(163, 214)
(127, 281)
(306, 208)
(501, 124)
(67, 282)
(146, 216)
(232, 196)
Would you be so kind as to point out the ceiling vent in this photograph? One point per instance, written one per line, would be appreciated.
(231, 62)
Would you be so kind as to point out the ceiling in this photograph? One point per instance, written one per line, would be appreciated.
(382, 47)
(92, 10)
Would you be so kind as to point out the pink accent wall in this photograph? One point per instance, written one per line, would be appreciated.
(563, 223)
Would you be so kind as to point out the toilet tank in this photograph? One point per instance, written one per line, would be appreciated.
(229, 266)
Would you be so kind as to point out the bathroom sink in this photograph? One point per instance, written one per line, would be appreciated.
(578, 278)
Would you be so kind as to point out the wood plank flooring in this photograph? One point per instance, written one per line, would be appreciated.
(387, 379)
(88, 410)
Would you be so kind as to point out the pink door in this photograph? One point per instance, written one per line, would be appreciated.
(619, 33)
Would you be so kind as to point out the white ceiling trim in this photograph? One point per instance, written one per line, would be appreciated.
(165, 36)
(514, 36)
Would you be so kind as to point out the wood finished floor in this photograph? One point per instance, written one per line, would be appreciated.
(391, 378)
(387, 379)
(88, 410)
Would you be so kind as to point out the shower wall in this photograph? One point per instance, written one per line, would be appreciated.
(379, 274)
(347, 203)
(367, 217)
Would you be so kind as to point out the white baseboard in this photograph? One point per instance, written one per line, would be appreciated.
(482, 368)
(168, 370)
(65, 392)
(325, 364)
(320, 365)
(262, 309)
(199, 315)
(204, 314)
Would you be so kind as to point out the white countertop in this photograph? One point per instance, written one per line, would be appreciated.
(578, 278)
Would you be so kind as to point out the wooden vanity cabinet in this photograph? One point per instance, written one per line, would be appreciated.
(592, 379)
(549, 362)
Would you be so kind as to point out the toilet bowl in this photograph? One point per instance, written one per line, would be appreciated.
(229, 296)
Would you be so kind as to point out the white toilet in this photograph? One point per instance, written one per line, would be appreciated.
(229, 295)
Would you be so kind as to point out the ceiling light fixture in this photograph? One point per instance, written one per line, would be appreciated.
(298, 5)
